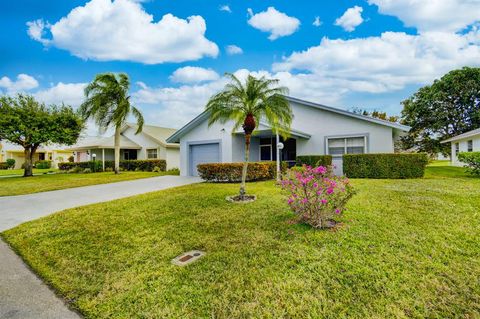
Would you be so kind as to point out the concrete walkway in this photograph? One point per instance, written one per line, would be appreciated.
(22, 293)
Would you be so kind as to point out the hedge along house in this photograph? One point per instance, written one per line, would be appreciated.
(466, 142)
(54, 153)
(148, 144)
(316, 130)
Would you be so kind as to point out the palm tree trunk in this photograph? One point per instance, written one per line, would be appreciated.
(117, 149)
(245, 165)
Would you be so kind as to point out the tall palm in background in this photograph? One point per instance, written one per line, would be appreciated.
(245, 104)
(107, 102)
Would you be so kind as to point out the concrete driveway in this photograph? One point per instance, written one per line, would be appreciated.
(22, 294)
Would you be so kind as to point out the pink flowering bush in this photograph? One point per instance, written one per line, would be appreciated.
(316, 196)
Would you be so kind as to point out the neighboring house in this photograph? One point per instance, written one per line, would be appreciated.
(466, 142)
(316, 130)
(148, 144)
(54, 153)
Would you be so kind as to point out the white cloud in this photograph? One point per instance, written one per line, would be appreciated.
(317, 22)
(225, 8)
(386, 63)
(121, 30)
(351, 19)
(233, 49)
(67, 93)
(175, 106)
(192, 74)
(278, 24)
(36, 30)
(432, 15)
(24, 82)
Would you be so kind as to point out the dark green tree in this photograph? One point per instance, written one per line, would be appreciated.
(245, 104)
(448, 107)
(31, 124)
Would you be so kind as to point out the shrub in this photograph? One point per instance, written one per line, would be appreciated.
(314, 160)
(71, 159)
(108, 169)
(316, 196)
(10, 163)
(156, 169)
(385, 165)
(76, 170)
(66, 166)
(87, 170)
(472, 161)
(173, 171)
(3, 165)
(232, 172)
(125, 165)
(43, 164)
(143, 165)
(94, 166)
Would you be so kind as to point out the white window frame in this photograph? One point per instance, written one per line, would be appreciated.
(345, 138)
(156, 153)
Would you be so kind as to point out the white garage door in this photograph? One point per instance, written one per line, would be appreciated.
(203, 153)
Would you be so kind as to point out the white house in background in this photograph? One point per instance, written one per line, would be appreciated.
(316, 130)
(466, 142)
(148, 144)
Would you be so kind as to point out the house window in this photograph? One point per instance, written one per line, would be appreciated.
(151, 153)
(346, 145)
(470, 146)
(457, 148)
(130, 154)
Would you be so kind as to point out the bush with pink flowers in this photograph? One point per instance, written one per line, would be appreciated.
(317, 196)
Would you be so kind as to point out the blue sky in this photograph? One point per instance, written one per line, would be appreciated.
(367, 53)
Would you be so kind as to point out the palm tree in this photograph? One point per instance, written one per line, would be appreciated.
(107, 102)
(245, 104)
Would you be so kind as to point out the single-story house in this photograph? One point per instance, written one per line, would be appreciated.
(466, 142)
(148, 144)
(316, 130)
(54, 153)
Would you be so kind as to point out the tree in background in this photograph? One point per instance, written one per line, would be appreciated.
(31, 124)
(245, 104)
(376, 114)
(108, 104)
(448, 107)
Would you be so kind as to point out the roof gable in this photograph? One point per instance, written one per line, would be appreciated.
(175, 138)
(468, 134)
(394, 125)
(157, 133)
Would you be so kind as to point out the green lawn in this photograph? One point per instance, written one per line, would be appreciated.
(21, 185)
(5, 172)
(439, 163)
(407, 249)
